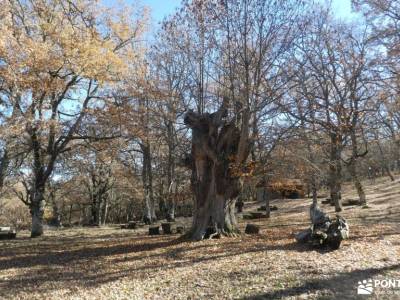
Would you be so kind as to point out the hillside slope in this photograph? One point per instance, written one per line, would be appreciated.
(108, 263)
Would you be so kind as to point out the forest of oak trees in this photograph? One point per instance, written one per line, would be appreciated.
(101, 122)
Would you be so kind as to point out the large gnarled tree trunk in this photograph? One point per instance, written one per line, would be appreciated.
(219, 148)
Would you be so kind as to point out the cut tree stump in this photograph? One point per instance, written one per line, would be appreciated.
(154, 230)
(167, 228)
(132, 225)
(264, 208)
(253, 215)
(257, 215)
(326, 201)
(7, 233)
(252, 229)
(351, 202)
(180, 229)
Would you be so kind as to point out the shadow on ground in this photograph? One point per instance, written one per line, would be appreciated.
(341, 286)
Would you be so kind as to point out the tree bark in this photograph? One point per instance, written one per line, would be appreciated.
(357, 183)
(383, 160)
(94, 209)
(218, 152)
(171, 180)
(4, 162)
(37, 205)
(352, 166)
(147, 178)
(314, 190)
(335, 172)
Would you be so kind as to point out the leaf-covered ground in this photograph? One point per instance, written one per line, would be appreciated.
(109, 263)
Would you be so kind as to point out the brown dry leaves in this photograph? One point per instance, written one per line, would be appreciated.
(107, 263)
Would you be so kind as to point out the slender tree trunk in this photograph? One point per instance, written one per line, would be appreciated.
(94, 211)
(4, 162)
(357, 183)
(262, 196)
(56, 220)
(384, 162)
(335, 173)
(105, 210)
(266, 199)
(98, 209)
(171, 180)
(147, 178)
(352, 167)
(314, 190)
(172, 193)
(37, 210)
(70, 214)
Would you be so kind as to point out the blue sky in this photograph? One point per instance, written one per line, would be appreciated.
(162, 8)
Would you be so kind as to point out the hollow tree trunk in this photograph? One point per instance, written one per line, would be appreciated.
(218, 152)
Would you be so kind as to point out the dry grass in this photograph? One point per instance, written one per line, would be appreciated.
(107, 263)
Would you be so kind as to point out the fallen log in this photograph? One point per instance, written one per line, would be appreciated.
(7, 233)
(323, 230)
(252, 229)
(326, 201)
(132, 225)
(154, 230)
(257, 215)
(167, 228)
(351, 202)
(264, 208)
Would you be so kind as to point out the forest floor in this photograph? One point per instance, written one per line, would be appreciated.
(110, 263)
